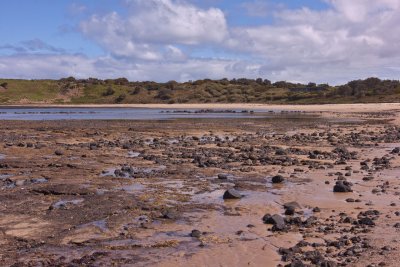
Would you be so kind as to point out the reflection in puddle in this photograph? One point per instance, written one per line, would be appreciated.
(129, 171)
(39, 180)
(101, 224)
(5, 176)
(133, 188)
(64, 204)
(132, 154)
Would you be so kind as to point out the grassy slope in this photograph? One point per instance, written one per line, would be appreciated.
(34, 91)
(51, 91)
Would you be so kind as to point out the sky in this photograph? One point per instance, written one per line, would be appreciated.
(323, 41)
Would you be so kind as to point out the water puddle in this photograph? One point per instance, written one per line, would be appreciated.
(38, 180)
(249, 198)
(5, 176)
(117, 173)
(134, 188)
(130, 172)
(100, 224)
(132, 154)
(65, 204)
(173, 141)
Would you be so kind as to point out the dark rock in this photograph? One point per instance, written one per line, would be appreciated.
(280, 152)
(290, 211)
(368, 178)
(396, 150)
(58, 152)
(316, 209)
(342, 187)
(169, 214)
(326, 263)
(278, 179)
(232, 194)
(296, 263)
(310, 221)
(276, 220)
(195, 233)
(223, 176)
(366, 221)
(290, 207)
(292, 204)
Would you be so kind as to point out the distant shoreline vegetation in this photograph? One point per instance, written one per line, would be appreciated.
(122, 91)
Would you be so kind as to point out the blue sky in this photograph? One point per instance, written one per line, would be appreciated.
(306, 40)
(56, 22)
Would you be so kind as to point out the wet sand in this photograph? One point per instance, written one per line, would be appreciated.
(150, 193)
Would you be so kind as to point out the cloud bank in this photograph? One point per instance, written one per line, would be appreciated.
(161, 40)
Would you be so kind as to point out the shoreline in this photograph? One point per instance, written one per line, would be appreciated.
(367, 107)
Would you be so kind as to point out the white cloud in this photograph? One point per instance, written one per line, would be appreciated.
(348, 40)
(56, 66)
(156, 25)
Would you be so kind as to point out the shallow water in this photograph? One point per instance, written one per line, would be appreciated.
(68, 113)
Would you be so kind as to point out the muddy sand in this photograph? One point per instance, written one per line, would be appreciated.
(317, 191)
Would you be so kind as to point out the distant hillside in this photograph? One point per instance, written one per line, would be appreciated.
(95, 91)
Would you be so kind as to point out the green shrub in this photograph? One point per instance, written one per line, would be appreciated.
(109, 91)
(120, 98)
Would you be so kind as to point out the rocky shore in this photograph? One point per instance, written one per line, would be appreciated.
(317, 191)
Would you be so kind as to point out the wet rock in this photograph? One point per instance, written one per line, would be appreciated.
(290, 211)
(277, 179)
(232, 194)
(280, 152)
(310, 221)
(368, 178)
(318, 259)
(291, 207)
(366, 221)
(296, 263)
(342, 187)
(195, 233)
(316, 209)
(396, 150)
(223, 176)
(276, 220)
(292, 204)
(58, 153)
(169, 214)
(62, 190)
